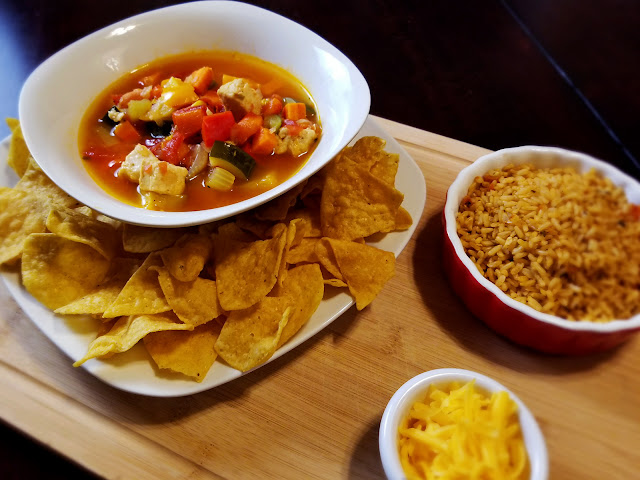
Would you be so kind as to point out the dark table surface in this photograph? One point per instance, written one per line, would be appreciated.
(492, 73)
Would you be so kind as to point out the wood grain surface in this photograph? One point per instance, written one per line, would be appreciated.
(315, 412)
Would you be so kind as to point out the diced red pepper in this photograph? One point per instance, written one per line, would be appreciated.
(188, 120)
(217, 127)
(212, 100)
(200, 79)
(273, 105)
(126, 132)
(264, 142)
(248, 125)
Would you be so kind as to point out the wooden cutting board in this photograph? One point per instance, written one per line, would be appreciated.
(315, 412)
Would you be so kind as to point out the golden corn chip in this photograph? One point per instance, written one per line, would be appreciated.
(365, 269)
(191, 353)
(233, 231)
(98, 300)
(142, 294)
(327, 259)
(356, 204)
(304, 288)
(35, 181)
(248, 222)
(290, 235)
(249, 337)
(187, 257)
(309, 222)
(246, 272)
(57, 271)
(128, 331)
(368, 152)
(276, 209)
(21, 214)
(194, 302)
(18, 157)
(304, 252)
(403, 219)
(334, 282)
(137, 239)
(80, 228)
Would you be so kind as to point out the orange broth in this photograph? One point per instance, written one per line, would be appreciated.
(109, 151)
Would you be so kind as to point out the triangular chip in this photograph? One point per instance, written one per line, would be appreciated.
(305, 252)
(185, 260)
(249, 337)
(99, 299)
(194, 302)
(191, 353)
(57, 271)
(304, 287)
(128, 331)
(18, 157)
(327, 259)
(365, 269)
(36, 181)
(276, 210)
(21, 214)
(142, 294)
(356, 204)
(246, 272)
(138, 239)
(78, 227)
(403, 219)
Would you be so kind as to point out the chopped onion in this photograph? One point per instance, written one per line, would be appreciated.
(200, 160)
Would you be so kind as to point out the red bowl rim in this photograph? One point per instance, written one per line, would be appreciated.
(542, 157)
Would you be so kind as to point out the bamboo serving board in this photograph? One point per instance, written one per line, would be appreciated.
(314, 413)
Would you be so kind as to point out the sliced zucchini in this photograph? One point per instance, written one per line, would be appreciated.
(159, 131)
(232, 159)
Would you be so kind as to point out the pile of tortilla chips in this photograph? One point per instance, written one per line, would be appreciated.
(237, 289)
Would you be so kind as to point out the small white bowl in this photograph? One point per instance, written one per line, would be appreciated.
(415, 390)
(513, 319)
(57, 94)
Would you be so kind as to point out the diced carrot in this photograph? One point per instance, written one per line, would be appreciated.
(248, 125)
(200, 79)
(217, 127)
(126, 132)
(163, 167)
(264, 142)
(148, 168)
(189, 119)
(151, 80)
(273, 105)
(295, 111)
(211, 98)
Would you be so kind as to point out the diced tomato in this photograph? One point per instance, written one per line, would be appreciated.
(211, 98)
(172, 149)
(200, 79)
(116, 97)
(248, 125)
(273, 105)
(189, 119)
(126, 132)
(117, 152)
(264, 142)
(217, 127)
(295, 111)
(292, 127)
(156, 91)
(135, 94)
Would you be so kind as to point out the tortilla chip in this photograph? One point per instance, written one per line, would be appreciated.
(98, 300)
(327, 259)
(233, 231)
(80, 228)
(137, 239)
(305, 252)
(304, 288)
(365, 269)
(356, 204)
(246, 221)
(403, 219)
(191, 353)
(21, 214)
(246, 272)
(276, 209)
(18, 157)
(368, 152)
(36, 181)
(142, 294)
(128, 331)
(249, 337)
(309, 222)
(57, 271)
(194, 302)
(185, 260)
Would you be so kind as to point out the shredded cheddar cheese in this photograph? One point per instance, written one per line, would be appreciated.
(457, 432)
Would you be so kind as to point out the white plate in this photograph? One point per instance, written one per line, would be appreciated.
(134, 371)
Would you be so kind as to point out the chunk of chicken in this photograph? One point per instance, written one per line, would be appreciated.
(141, 166)
(295, 144)
(239, 97)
